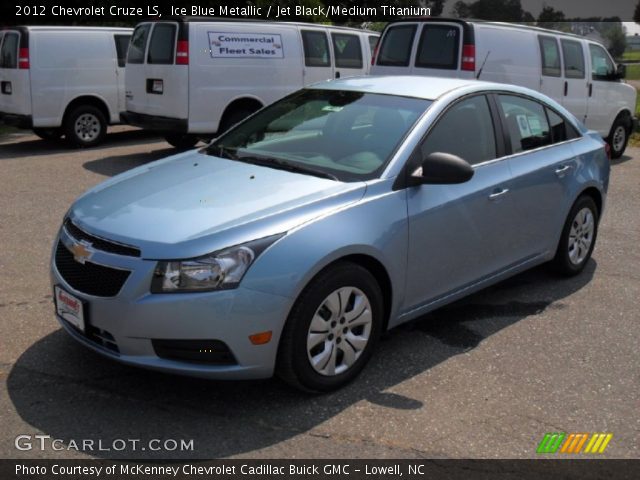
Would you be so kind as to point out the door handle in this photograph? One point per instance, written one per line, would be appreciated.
(496, 194)
(590, 89)
(560, 171)
(566, 88)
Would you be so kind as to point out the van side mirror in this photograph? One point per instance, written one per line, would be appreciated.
(621, 71)
(440, 168)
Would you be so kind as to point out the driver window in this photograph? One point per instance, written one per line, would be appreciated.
(602, 67)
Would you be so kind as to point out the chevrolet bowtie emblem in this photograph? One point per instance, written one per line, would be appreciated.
(81, 252)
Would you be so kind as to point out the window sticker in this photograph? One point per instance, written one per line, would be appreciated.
(245, 45)
(523, 125)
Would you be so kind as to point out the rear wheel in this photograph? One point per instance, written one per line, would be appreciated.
(85, 126)
(578, 237)
(182, 141)
(49, 134)
(233, 117)
(332, 329)
(618, 137)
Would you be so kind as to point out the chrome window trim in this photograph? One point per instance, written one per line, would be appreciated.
(525, 152)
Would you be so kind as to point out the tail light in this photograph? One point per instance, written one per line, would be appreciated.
(469, 57)
(375, 53)
(23, 58)
(182, 52)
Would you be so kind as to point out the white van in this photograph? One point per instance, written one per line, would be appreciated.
(575, 71)
(63, 80)
(191, 78)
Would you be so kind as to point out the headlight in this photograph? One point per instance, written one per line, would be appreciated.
(221, 270)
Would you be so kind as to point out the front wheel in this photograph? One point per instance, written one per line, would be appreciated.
(618, 137)
(332, 329)
(578, 237)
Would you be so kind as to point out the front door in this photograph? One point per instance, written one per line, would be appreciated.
(574, 96)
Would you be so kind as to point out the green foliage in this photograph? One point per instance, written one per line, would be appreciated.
(498, 10)
(636, 13)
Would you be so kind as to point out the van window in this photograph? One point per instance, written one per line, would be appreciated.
(550, 53)
(347, 50)
(396, 47)
(526, 122)
(138, 44)
(573, 59)
(602, 67)
(122, 44)
(9, 51)
(561, 130)
(465, 130)
(162, 44)
(373, 42)
(438, 47)
(316, 49)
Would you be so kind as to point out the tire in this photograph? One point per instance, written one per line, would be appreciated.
(618, 137)
(85, 126)
(233, 117)
(578, 237)
(331, 298)
(49, 134)
(181, 141)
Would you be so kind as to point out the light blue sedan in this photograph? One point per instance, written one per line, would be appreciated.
(293, 240)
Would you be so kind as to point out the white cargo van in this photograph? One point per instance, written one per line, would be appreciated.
(191, 78)
(63, 80)
(575, 71)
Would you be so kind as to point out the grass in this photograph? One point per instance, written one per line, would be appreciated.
(5, 130)
(631, 56)
(633, 72)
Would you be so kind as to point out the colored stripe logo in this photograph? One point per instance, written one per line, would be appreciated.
(574, 443)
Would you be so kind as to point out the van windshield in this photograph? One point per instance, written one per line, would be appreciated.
(344, 135)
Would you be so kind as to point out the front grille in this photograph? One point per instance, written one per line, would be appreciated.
(212, 352)
(89, 278)
(100, 243)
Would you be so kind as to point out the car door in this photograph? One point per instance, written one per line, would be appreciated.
(121, 45)
(605, 99)
(15, 93)
(460, 234)
(318, 64)
(551, 81)
(574, 96)
(347, 52)
(542, 164)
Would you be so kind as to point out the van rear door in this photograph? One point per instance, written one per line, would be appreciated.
(348, 54)
(157, 71)
(15, 96)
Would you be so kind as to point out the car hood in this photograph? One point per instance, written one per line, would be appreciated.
(198, 203)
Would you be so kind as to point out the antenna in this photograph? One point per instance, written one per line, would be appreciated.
(482, 66)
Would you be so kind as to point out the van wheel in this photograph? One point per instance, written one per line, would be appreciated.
(332, 329)
(86, 126)
(233, 117)
(49, 134)
(618, 137)
(181, 141)
(578, 237)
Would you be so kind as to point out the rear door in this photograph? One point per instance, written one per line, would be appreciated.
(121, 45)
(439, 50)
(395, 50)
(156, 78)
(15, 96)
(348, 53)
(318, 62)
(551, 81)
(574, 96)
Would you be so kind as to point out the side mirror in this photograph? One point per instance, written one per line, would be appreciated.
(621, 71)
(442, 169)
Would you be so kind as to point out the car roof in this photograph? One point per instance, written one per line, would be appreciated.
(428, 88)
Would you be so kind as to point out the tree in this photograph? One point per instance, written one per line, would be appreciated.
(636, 13)
(550, 18)
(498, 10)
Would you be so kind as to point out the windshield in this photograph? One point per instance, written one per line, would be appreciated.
(344, 135)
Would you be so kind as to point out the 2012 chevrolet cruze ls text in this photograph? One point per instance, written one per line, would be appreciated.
(293, 240)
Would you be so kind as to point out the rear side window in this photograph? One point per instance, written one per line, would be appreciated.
(438, 47)
(316, 49)
(561, 130)
(526, 123)
(9, 51)
(465, 130)
(122, 44)
(347, 50)
(550, 53)
(373, 42)
(162, 44)
(573, 59)
(602, 67)
(396, 46)
(138, 44)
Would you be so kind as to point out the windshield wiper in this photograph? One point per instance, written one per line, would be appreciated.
(223, 151)
(283, 165)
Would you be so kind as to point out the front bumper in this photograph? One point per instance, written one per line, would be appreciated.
(16, 120)
(134, 318)
(155, 122)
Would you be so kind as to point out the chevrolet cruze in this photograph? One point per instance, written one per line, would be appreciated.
(293, 240)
